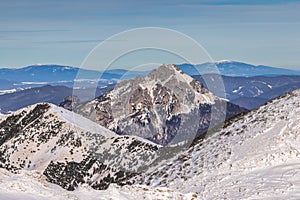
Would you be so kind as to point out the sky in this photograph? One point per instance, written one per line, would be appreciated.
(65, 31)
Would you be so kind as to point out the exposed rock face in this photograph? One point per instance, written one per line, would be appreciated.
(69, 102)
(69, 149)
(167, 106)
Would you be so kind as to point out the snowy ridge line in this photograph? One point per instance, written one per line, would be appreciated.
(257, 155)
(80, 121)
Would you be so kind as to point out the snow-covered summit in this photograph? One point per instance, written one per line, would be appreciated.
(223, 61)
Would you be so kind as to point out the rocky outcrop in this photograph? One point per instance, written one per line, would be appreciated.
(69, 102)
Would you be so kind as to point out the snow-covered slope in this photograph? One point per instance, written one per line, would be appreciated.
(33, 186)
(2, 117)
(159, 107)
(256, 156)
(69, 149)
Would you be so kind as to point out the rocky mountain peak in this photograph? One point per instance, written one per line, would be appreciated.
(164, 71)
(168, 82)
(69, 102)
(155, 107)
(171, 76)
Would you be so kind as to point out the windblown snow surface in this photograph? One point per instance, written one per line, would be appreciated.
(256, 156)
(33, 186)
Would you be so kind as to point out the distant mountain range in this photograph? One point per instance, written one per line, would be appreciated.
(251, 92)
(59, 73)
(246, 85)
(12, 79)
(47, 93)
(233, 68)
(247, 92)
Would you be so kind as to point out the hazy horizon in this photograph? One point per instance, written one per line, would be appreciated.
(259, 32)
(139, 69)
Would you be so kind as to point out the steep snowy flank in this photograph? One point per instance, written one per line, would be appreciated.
(159, 107)
(69, 149)
(255, 156)
(80, 122)
(33, 186)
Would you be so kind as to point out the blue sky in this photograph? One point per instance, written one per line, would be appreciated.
(64, 32)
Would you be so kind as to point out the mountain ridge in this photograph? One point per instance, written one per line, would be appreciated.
(248, 92)
(39, 75)
(68, 149)
(235, 68)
